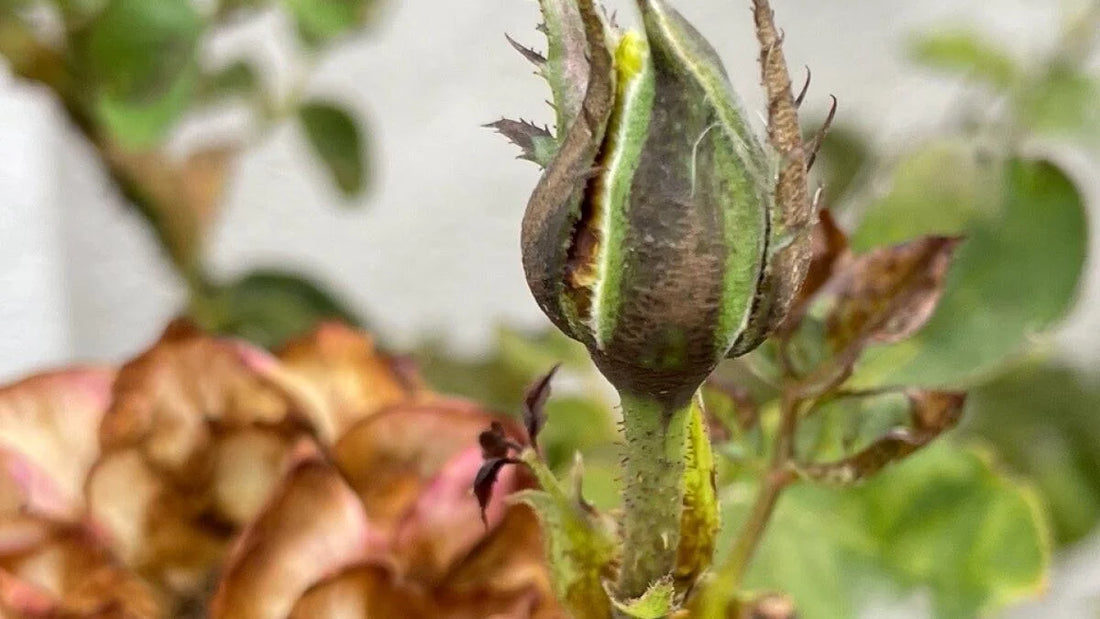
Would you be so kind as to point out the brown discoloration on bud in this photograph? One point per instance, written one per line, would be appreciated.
(553, 211)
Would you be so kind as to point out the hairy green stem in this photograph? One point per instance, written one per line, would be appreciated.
(653, 472)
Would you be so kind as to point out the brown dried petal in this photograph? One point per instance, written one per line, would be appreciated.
(445, 523)
(72, 575)
(886, 295)
(364, 591)
(507, 571)
(336, 376)
(388, 458)
(313, 526)
(48, 429)
(165, 399)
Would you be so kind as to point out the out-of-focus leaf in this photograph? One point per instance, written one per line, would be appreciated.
(700, 520)
(321, 20)
(339, 143)
(238, 78)
(966, 52)
(142, 125)
(948, 521)
(179, 200)
(1065, 102)
(135, 50)
(140, 58)
(944, 521)
(269, 307)
(944, 188)
(499, 378)
(1045, 422)
(1015, 276)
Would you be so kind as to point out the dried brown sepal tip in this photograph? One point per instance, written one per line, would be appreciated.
(534, 406)
(829, 250)
(485, 479)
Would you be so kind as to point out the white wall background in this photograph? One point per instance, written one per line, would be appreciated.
(435, 247)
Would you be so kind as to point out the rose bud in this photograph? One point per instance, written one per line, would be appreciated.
(650, 235)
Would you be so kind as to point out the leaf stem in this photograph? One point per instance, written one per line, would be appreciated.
(653, 491)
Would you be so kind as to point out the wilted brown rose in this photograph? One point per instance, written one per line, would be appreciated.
(330, 479)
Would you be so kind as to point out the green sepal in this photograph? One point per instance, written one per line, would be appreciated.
(580, 546)
(655, 603)
(701, 518)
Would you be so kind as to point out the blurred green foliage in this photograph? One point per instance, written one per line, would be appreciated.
(130, 72)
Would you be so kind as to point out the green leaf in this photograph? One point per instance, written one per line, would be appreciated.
(944, 521)
(965, 52)
(270, 307)
(338, 141)
(322, 20)
(1044, 420)
(136, 51)
(1065, 102)
(139, 126)
(138, 62)
(949, 522)
(1014, 276)
(655, 603)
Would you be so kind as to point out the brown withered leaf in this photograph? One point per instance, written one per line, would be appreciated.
(830, 250)
(886, 295)
(931, 413)
(534, 405)
(313, 526)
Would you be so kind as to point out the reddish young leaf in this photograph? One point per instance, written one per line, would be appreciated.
(534, 402)
(485, 480)
(494, 442)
